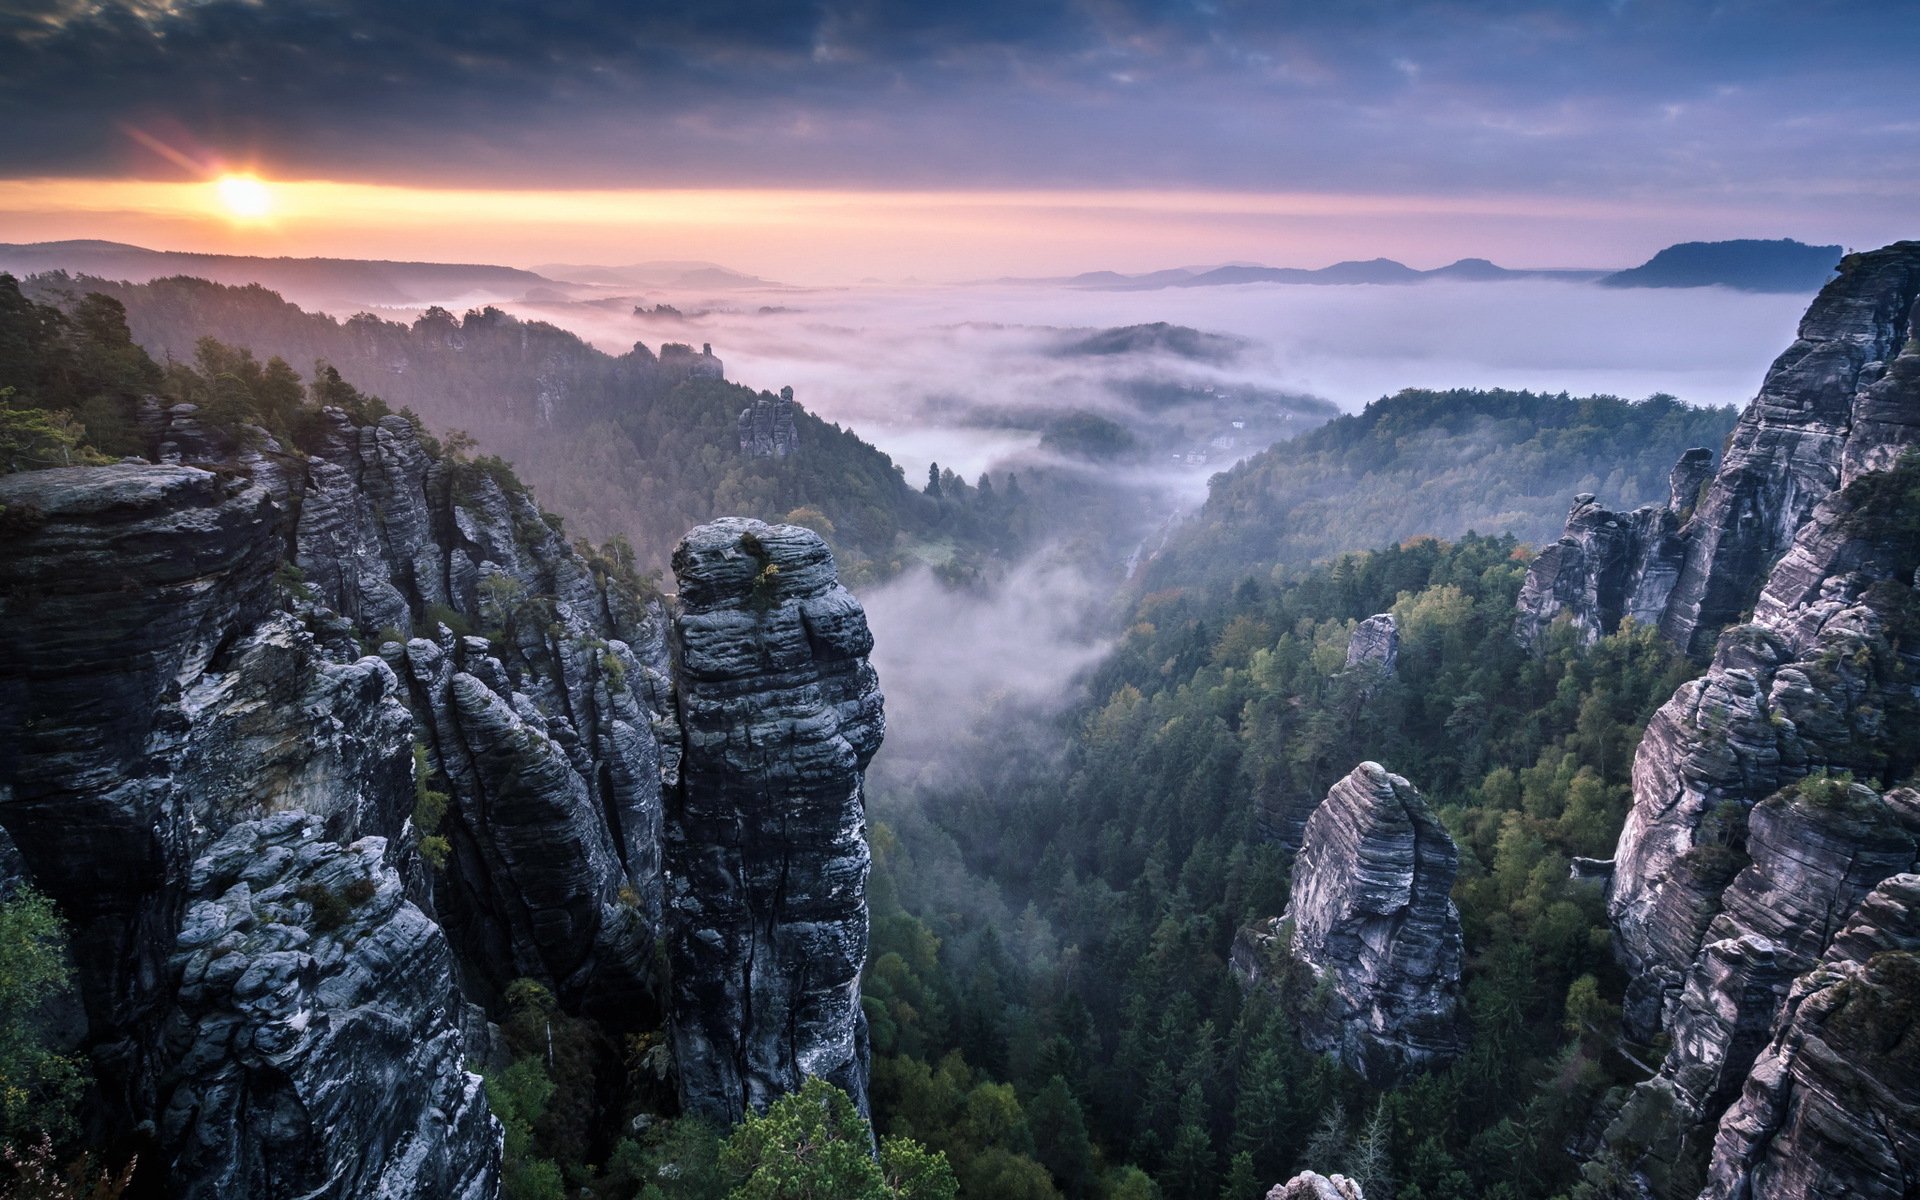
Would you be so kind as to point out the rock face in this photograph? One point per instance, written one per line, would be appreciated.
(215, 688)
(1829, 1109)
(1831, 407)
(1747, 850)
(1373, 929)
(1309, 1186)
(1376, 642)
(766, 833)
(302, 967)
(767, 428)
(678, 361)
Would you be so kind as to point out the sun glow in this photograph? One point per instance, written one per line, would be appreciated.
(244, 197)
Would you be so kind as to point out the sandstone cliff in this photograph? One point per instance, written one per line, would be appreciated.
(1830, 408)
(767, 427)
(766, 835)
(230, 696)
(1766, 805)
(1368, 952)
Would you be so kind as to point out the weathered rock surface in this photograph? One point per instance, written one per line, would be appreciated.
(1309, 1186)
(1834, 405)
(767, 428)
(1832, 1106)
(766, 832)
(314, 1041)
(1375, 642)
(185, 663)
(1373, 929)
(1736, 869)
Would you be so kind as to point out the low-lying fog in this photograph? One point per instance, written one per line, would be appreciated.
(928, 372)
(969, 376)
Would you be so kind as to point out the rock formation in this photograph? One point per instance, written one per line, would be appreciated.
(1375, 641)
(1830, 1106)
(1370, 943)
(1830, 408)
(1309, 1186)
(678, 361)
(766, 833)
(227, 694)
(1765, 799)
(767, 428)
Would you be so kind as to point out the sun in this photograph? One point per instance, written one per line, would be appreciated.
(244, 197)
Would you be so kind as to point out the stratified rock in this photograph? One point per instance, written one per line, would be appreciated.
(314, 1044)
(767, 428)
(1735, 868)
(1373, 924)
(1832, 1107)
(1309, 1186)
(766, 833)
(1375, 642)
(1609, 566)
(1835, 405)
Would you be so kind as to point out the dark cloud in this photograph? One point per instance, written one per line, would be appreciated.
(1578, 98)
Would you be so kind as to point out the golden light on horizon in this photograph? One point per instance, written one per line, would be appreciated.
(244, 197)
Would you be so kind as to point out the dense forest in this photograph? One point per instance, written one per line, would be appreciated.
(1438, 463)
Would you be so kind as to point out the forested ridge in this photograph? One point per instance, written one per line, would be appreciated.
(626, 445)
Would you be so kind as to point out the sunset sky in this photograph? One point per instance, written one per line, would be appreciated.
(888, 137)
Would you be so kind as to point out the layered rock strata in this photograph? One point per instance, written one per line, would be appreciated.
(1368, 952)
(1830, 408)
(767, 426)
(766, 833)
(1308, 1185)
(1832, 1106)
(238, 691)
(1765, 807)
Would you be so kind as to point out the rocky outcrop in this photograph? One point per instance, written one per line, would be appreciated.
(1832, 1106)
(1368, 952)
(767, 428)
(230, 697)
(1309, 1186)
(1833, 406)
(766, 833)
(1765, 805)
(1609, 566)
(315, 1036)
(678, 361)
(1375, 643)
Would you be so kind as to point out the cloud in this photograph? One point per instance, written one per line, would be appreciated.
(1560, 97)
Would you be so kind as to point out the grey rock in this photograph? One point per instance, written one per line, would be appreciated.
(1836, 404)
(1308, 1185)
(314, 1042)
(1372, 926)
(767, 428)
(767, 856)
(1375, 642)
(1832, 1106)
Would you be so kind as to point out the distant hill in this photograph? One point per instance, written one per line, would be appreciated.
(1436, 463)
(1180, 341)
(1368, 271)
(338, 284)
(1748, 264)
(660, 274)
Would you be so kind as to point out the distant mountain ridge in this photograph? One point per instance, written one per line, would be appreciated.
(333, 283)
(1373, 270)
(1748, 264)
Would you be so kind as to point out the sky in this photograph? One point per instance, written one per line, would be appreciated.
(894, 138)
